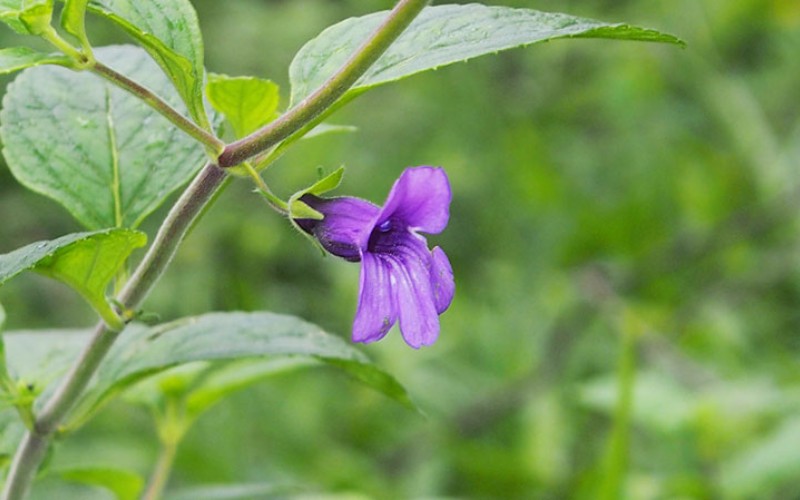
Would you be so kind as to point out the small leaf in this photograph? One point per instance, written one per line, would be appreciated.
(124, 484)
(73, 20)
(19, 58)
(170, 33)
(443, 35)
(85, 261)
(27, 17)
(248, 103)
(99, 151)
(141, 351)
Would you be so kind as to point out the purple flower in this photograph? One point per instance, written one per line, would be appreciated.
(400, 278)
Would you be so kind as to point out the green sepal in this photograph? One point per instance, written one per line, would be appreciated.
(300, 210)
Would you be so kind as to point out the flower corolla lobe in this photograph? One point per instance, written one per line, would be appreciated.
(401, 279)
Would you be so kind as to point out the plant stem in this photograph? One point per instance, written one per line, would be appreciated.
(179, 221)
(33, 447)
(160, 476)
(208, 139)
(616, 459)
(326, 95)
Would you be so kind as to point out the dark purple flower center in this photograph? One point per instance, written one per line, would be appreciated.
(387, 236)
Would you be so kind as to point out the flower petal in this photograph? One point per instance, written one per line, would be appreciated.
(442, 282)
(420, 198)
(419, 321)
(346, 227)
(377, 308)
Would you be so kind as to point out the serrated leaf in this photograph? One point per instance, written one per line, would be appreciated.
(443, 35)
(248, 103)
(103, 154)
(124, 484)
(73, 19)
(27, 17)
(19, 58)
(85, 261)
(170, 32)
(143, 351)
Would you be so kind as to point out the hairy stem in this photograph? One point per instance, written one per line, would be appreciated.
(189, 206)
(203, 136)
(335, 87)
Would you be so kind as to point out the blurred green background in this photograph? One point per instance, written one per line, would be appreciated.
(624, 234)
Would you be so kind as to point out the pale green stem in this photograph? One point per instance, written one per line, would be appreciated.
(81, 60)
(189, 206)
(172, 427)
(276, 203)
(161, 473)
(208, 139)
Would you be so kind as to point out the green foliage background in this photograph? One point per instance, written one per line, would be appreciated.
(606, 194)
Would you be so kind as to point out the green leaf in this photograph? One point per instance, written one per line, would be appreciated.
(19, 58)
(443, 35)
(200, 385)
(328, 128)
(87, 262)
(220, 382)
(243, 491)
(2, 320)
(73, 18)
(143, 351)
(764, 466)
(11, 432)
(124, 484)
(248, 103)
(99, 151)
(170, 32)
(28, 17)
(37, 358)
